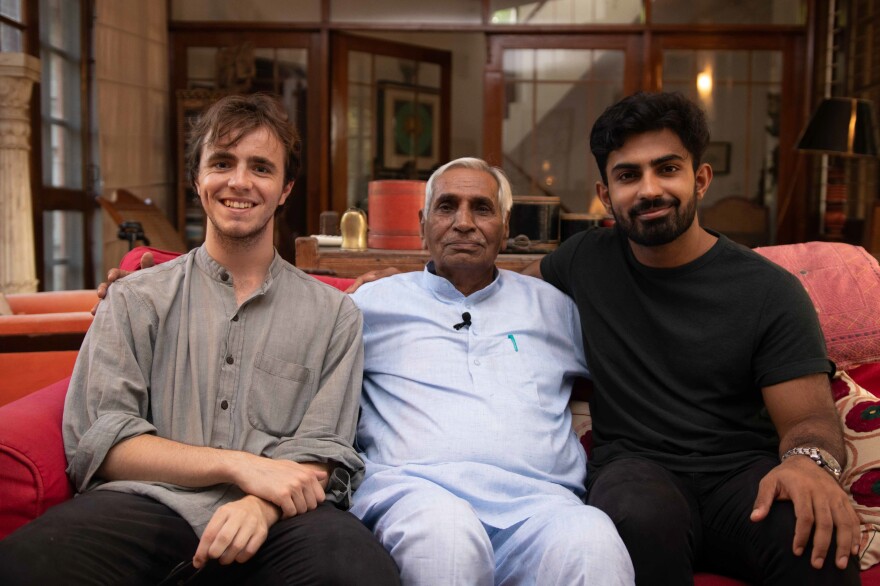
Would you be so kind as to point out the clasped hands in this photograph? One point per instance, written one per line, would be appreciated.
(276, 489)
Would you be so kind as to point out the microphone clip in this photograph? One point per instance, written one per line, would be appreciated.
(465, 321)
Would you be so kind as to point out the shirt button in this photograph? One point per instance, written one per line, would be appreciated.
(477, 361)
(230, 360)
(235, 317)
(224, 276)
(224, 404)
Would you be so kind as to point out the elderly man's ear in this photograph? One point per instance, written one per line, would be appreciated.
(422, 229)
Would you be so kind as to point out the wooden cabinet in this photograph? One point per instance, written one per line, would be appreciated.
(333, 261)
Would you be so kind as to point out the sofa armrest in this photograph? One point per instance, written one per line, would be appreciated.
(32, 461)
(52, 301)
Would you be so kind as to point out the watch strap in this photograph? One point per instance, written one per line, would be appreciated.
(821, 457)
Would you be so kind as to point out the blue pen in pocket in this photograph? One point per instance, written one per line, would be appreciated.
(513, 341)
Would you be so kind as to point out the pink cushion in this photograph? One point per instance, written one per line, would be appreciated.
(32, 460)
(844, 283)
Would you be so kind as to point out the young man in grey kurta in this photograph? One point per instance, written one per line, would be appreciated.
(209, 423)
(192, 366)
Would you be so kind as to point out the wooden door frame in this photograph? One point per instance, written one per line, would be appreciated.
(340, 45)
(793, 226)
(316, 108)
(493, 73)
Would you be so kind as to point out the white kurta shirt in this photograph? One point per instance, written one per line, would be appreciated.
(481, 410)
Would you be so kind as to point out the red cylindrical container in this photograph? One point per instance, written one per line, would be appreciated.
(393, 215)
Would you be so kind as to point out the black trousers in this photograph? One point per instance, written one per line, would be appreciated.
(106, 537)
(675, 524)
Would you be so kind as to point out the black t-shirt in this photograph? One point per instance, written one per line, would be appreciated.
(679, 356)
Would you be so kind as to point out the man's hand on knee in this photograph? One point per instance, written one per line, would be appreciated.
(236, 531)
(820, 505)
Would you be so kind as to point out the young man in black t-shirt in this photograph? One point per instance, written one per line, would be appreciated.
(709, 367)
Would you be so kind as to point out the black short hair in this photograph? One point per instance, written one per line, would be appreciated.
(645, 112)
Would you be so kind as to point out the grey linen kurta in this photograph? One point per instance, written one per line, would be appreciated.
(170, 353)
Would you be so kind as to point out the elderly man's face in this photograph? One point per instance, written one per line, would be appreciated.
(465, 228)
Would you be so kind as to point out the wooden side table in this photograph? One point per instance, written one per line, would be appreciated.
(333, 261)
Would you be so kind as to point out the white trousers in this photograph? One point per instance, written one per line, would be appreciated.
(437, 539)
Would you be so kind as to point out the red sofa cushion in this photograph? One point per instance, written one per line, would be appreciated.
(32, 460)
(132, 262)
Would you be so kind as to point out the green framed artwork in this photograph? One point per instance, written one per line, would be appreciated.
(408, 133)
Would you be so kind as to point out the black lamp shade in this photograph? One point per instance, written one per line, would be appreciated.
(841, 126)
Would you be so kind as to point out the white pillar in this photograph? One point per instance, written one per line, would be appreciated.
(18, 272)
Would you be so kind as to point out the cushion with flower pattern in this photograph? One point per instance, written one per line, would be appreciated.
(859, 410)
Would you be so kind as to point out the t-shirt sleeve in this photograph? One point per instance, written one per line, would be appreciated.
(556, 266)
(790, 344)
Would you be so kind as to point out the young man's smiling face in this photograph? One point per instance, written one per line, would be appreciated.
(241, 185)
(652, 188)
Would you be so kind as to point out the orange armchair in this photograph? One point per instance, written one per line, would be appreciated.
(39, 342)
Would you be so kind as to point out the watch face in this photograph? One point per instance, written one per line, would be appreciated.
(829, 461)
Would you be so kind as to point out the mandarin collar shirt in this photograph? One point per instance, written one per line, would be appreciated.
(481, 410)
(172, 353)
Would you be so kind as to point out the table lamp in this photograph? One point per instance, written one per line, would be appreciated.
(841, 127)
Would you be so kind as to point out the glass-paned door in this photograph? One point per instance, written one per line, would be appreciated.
(742, 83)
(391, 104)
(220, 64)
(550, 94)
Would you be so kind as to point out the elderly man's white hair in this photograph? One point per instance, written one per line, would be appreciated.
(504, 195)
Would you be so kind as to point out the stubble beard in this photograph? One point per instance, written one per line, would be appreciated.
(231, 241)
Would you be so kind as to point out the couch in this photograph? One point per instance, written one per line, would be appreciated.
(40, 340)
(842, 280)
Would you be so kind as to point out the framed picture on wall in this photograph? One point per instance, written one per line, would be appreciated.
(408, 128)
(718, 156)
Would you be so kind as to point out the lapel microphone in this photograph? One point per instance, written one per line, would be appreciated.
(466, 321)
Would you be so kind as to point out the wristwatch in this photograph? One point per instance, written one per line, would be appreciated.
(820, 457)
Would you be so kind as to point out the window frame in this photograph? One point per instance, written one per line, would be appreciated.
(48, 198)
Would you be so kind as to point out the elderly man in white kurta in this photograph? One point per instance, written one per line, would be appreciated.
(473, 473)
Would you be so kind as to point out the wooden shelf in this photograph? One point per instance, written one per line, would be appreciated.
(333, 261)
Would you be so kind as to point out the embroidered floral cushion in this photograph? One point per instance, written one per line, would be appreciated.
(856, 396)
